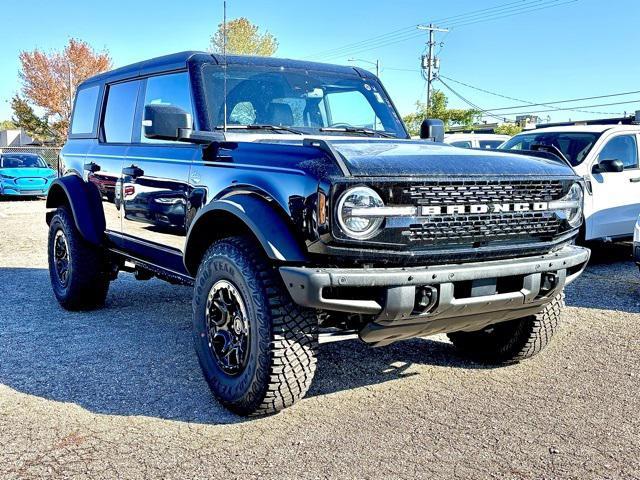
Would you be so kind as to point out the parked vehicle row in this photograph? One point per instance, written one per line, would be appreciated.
(298, 202)
(25, 174)
(607, 158)
(476, 140)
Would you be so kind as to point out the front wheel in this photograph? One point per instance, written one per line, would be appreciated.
(512, 341)
(255, 346)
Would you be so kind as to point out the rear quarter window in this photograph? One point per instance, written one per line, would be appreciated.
(84, 112)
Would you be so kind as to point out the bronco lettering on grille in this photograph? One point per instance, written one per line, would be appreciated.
(427, 210)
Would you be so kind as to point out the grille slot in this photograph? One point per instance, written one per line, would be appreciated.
(485, 191)
(473, 228)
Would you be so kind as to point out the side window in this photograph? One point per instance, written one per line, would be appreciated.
(242, 113)
(84, 112)
(172, 89)
(350, 108)
(462, 144)
(117, 125)
(623, 148)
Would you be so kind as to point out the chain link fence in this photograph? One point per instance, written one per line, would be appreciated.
(50, 154)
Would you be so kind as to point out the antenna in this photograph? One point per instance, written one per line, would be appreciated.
(224, 54)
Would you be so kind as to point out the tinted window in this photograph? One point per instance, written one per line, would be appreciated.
(491, 144)
(118, 116)
(168, 90)
(84, 111)
(623, 148)
(574, 146)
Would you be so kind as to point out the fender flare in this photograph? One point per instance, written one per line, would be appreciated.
(85, 203)
(269, 226)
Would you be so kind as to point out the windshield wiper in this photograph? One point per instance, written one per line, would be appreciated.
(274, 128)
(366, 131)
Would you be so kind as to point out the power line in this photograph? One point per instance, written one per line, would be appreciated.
(408, 33)
(581, 106)
(468, 102)
(543, 104)
(532, 104)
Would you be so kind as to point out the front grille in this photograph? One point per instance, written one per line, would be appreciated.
(480, 228)
(485, 191)
(483, 228)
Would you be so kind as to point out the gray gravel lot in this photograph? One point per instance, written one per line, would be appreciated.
(118, 393)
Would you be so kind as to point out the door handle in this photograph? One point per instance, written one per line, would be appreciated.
(634, 180)
(133, 171)
(92, 167)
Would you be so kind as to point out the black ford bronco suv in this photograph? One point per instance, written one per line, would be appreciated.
(290, 195)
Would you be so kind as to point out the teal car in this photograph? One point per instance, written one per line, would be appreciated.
(25, 174)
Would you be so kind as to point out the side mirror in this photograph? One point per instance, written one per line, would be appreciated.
(613, 166)
(432, 129)
(166, 122)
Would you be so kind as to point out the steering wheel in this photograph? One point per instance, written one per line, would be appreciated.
(340, 124)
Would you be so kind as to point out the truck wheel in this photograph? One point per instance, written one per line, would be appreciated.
(255, 346)
(76, 268)
(512, 341)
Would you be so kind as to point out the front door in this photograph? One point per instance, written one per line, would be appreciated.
(155, 181)
(616, 195)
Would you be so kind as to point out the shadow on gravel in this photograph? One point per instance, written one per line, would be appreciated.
(135, 357)
(611, 281)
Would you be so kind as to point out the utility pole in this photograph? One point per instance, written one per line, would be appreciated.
(376, 63)
(429, 62)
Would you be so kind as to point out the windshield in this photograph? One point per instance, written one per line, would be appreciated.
(22, 161)
(574, 145)
(305, 100)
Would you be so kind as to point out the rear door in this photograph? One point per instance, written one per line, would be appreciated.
(103, 163)
(616, 195)
(155, 178)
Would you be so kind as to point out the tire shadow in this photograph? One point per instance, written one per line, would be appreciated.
(135, 357)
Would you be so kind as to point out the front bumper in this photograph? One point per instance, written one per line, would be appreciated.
(24, 192)
(461, 297)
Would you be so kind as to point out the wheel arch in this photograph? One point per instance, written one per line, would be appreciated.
(83, 201)
(242, 215)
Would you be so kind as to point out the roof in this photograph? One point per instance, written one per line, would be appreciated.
(584, 129)
(178, 61)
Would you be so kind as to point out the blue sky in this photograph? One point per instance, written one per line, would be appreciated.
(580, 49)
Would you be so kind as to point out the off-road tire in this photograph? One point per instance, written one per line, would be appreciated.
(87, 284)
(283, 338)
(512, 341)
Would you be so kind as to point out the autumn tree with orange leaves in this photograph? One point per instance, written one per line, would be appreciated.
(49, 81)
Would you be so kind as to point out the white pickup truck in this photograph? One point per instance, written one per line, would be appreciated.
(606, 156)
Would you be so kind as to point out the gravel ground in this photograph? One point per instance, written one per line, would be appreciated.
(118, 393)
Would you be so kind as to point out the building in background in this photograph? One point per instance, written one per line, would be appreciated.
(15, 138)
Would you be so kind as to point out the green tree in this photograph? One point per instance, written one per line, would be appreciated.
(244, 38)
(7, 125)
(508, 129)
(25, 118)
(438, 109)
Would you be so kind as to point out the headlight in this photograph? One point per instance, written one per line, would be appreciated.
(569, 207)
(353, 215)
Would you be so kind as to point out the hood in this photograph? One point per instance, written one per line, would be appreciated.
(373, 158)
(28, 172)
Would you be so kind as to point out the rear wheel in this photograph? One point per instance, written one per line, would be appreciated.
(76, 267)
(512, 341)
(255, 346)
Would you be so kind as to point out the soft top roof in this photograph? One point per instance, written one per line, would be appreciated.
(179, 61)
